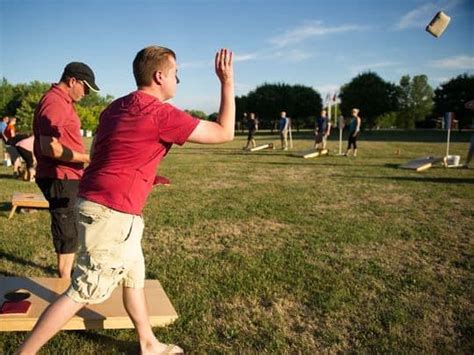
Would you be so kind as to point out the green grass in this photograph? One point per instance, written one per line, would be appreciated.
(266, 252)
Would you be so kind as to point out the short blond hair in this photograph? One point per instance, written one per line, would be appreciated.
(148, 61)
(356, 110)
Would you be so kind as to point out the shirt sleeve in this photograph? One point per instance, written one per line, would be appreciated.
(176, 126)
(50, 119)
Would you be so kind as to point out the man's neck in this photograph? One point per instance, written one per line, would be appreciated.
(152, 91)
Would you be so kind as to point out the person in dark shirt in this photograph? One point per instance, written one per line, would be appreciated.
(252, 128)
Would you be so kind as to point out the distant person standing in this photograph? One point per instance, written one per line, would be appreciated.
(283, 127)
(354, 130)
(243, 122)
(9, 136)
(10, 130)
(252, 128)
(322, 130)
(61, 155)
(3, 126)
(24, 146)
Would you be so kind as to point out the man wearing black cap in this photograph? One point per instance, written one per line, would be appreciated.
(61, 155)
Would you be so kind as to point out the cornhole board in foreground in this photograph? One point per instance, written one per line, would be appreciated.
(421, 164)
(261, 147)
(30, 200)
(311, 153)
(108, 315)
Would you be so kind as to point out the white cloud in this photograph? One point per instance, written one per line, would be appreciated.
(245, 57)
(459, 62)
(197, 64)
(420, 16)
(309, 30)
(293, 55)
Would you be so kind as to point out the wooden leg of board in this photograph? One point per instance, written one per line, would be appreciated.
(12, 212)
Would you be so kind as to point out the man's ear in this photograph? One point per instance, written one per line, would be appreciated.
(70, 82)
(158, 77)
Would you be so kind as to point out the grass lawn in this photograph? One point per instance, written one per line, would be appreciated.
(266, 252)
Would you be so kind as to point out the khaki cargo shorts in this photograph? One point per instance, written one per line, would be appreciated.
(109, 253)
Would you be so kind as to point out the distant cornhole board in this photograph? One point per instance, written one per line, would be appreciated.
(438, 24)
(108, 315)
(421, 164)
(452, 161)
(311, 153)
(262, 147)
(29, 200)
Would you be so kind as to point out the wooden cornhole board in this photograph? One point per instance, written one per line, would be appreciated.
(311, 153)
(30, 200)
(421, 164)
(108, 315)
(261, 147)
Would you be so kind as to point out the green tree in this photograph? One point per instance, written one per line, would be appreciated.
(415, 100)
(452, 96)
(198, 114)
(213, 116)
(94, 99)
(371, 94)
(268, 100)
(6, 95)
(26, 111)
(387, 120)
(21, 91)
(20, 100)
(89, 116)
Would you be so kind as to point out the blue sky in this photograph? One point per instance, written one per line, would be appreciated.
(322, 44)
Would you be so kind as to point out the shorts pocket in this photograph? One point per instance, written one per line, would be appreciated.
(94, 280)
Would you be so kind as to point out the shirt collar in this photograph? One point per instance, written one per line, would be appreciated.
(58, 91)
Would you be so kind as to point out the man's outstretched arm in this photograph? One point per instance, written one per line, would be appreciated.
(223, 129)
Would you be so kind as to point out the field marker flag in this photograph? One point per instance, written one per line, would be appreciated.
(328, 103)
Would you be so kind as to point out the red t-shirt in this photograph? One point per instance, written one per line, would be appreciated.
(55, 116)
(10, 131)
(135, 132)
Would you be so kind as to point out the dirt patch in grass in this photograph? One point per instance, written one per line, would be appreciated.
(247, 238)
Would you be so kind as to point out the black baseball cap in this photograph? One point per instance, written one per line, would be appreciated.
(83, 72)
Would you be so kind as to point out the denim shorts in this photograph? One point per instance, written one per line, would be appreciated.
(109, 253)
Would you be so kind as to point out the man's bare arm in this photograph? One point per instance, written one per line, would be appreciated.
(52, 148)
(223, 130)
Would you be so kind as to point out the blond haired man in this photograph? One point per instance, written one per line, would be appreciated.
(135, 133)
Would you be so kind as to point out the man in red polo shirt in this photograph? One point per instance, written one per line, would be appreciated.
(135, 132)
(61, 155)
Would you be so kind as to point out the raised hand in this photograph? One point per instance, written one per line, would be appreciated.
(224, 66)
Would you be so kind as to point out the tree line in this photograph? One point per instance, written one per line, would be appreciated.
(20, 101)
(410, 103)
